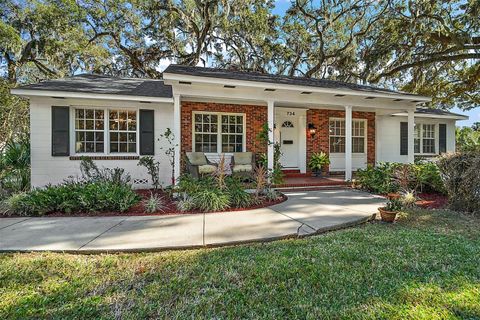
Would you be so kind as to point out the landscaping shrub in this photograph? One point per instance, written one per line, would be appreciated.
(15, 167)
(460, 173)
(186, 203)
(428, 178)
(154, 203)
(211, 200)
(378, 179)
(91, 173)
(73, 197)
(238, 197)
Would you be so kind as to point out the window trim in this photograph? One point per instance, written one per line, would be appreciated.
(365, 138)
(219, 132)
(106, 131)
(435, 138)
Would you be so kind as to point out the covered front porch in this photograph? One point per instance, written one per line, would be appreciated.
(301, 119)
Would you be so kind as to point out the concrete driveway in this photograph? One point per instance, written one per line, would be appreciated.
(304, 213)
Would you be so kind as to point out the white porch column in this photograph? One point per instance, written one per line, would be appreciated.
(270, 120)
(177, 133)
(411, 140)
(348, 143)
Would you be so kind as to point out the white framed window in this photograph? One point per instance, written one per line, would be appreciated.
(218, 132)
(93, 134)
(424, 138)
(337, 135)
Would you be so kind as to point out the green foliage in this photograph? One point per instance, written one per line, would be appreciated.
(276, 176)
(186, 203)
(15, 166)
(238, 197)
(408, 199)
(467, 139)
(154, 203)
(394, 205)
(73, 197)
(427, 177)
(153, 169)
(170, 150)
(211, 200)
(461, 175)
(377, 179)
(318, 161)
(91, 173)
(271, 194)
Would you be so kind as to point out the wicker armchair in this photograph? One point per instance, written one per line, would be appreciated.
(243, 164)
(198, 164)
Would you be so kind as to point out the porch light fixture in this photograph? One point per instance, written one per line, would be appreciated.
(306, 92)
(312, 129)
(228, 86)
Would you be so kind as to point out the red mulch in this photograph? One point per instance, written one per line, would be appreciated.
(170, 209)
(432, 200)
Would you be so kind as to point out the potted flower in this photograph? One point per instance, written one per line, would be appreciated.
(389, 212)
(318, 163)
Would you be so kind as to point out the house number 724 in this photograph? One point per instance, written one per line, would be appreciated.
(290, 113)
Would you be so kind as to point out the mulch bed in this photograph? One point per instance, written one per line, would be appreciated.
(432, 200)
(170, 208)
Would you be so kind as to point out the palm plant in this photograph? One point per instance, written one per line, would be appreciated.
(15, 166)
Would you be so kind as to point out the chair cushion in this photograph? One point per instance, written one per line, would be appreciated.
(197, 158)
(242, 158)
(242, 167)
(206, 168)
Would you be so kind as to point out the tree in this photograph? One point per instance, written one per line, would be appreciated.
(467, 139)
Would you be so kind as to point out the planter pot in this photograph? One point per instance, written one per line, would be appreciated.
(387, 216)
(392, 196)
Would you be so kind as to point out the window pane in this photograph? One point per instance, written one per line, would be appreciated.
(358, 145)
(337, 144)
(123, 127)
(89, 114)
(87, 131)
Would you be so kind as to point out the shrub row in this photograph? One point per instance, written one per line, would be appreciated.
(391, 177)
(73, 197)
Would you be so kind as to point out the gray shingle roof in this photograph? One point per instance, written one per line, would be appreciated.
(88, 83)
(437, 112)
(276, 79)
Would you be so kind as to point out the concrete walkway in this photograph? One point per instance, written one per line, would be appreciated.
(304, 213)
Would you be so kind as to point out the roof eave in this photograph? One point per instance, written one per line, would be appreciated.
(85, 95)
(435, 116)
(170, 78)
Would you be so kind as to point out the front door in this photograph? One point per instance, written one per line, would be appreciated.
(288, 138)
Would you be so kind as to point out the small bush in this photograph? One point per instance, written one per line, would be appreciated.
(91, 173)
(74, 197)
(239, 198)
(271, 194)
(378, 179)
(460, 173)
(154, 203)
(153, 169)
(211, 200)
(186, 203)
(427, 176)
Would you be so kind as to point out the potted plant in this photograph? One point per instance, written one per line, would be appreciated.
(389, 212)
(318, 163)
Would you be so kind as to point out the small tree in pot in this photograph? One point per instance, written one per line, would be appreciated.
(389, 212)
(318, 163)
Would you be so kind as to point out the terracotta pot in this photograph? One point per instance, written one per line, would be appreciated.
(387, 216)
(393, 196)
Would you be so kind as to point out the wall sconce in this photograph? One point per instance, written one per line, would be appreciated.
(312, 130)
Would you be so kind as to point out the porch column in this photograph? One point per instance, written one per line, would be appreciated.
(348, 143)
(270, 120)
(176, 133)
(411, 140)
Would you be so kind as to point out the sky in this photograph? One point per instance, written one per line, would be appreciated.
(474, 115)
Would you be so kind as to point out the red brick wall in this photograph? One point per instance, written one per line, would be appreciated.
(320, 142)
(256, 116)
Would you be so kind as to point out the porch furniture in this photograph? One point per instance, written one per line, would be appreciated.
(243, 164)
(198, 164)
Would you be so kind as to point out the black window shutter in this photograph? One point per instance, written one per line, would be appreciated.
(60, 131)
(442, 142)
(147, 132)
(403, 138)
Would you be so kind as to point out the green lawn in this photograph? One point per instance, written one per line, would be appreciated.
(425, 266)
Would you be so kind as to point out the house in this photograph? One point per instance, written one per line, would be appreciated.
(118, 120)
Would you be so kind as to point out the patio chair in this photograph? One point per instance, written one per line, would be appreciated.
(243, 164)
(198, 164)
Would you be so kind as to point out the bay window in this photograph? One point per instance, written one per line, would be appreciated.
(218, 132)
(337, 135)
(93, 135)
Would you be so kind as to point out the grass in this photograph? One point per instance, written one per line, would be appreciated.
(426, 266)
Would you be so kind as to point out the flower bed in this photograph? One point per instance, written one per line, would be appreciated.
(432, 200)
